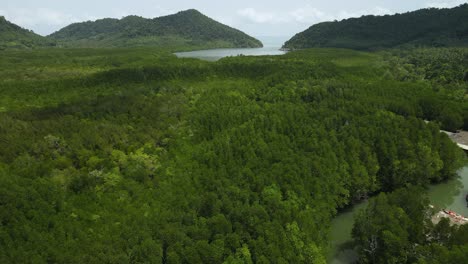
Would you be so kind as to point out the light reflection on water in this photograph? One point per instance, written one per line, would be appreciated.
(272, 46)
(216, 54)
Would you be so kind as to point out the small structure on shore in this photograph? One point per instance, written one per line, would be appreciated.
(455, 219)
(461, 139)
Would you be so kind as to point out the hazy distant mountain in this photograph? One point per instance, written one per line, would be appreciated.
(13, 36)
(425, 27)
(188, 28)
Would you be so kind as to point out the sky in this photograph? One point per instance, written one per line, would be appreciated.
(257, 18)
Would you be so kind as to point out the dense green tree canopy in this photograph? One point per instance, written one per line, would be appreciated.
(187, 28)
(396, 228)
(15, 37)
(427, 27)
(133, 155)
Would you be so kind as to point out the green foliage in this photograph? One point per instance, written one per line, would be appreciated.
(444, 68)
(15, 37)
(185, 30)
(396, 228)
(136, 156)
(427, 27)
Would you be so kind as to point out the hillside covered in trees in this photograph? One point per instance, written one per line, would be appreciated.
(426, 27)
(16, 37)
(186, 29)
(133, 155)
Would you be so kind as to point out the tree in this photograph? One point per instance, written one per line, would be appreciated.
(381, 232)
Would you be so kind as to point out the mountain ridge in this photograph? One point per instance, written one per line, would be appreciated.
(189, 28)
(424, 27)
(13, 36)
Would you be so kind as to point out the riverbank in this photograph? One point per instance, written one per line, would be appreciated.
(454, 218)
(217, 54)
(272, 47)
(449, 195)
(460, 137)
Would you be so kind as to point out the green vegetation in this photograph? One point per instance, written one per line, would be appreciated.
(133, 155)
(15, 37)
(185, 30)
(427, 27)
(396, 228)
(447, 70)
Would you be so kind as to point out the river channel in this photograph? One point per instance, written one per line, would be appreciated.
(272, 46)
(449, 195)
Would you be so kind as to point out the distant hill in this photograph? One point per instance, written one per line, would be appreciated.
(188, 28)
(425, 27)
(16, 37)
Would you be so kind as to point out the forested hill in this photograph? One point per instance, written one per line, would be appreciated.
(188, 28)
(14, 36)
(425, 27)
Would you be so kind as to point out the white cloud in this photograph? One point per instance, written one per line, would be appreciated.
(258, 17)
(378, 11)
(31, 17)
(44, 20)
(309, 14)
(161, 11)
(445, 4)
(151, 12)
(304, 15)
(40, 17)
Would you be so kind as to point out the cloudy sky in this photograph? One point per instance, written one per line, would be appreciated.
(258, 18)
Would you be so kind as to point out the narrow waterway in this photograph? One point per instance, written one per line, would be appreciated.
(272, 46)
(449, 195)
